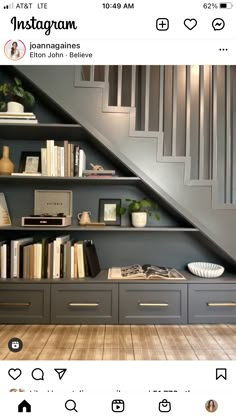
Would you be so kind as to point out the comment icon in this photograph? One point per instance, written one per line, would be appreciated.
(37, 374)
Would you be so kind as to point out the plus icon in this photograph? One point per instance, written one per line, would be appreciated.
(162, 24)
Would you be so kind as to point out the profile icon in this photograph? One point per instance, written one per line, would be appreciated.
(14, 49)
(211, 406)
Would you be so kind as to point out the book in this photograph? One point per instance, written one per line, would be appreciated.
(146, 271)
(3, 252)
(26, 174)
(15, 255)
(76, 161)
(17, 114)
(82, 162)
(50, 157)
(17, 121)
(92, 259)
(88, 172)
(80, 259)
(56, 255)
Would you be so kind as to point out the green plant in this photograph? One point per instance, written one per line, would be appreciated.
(14, 91)
(144, 205)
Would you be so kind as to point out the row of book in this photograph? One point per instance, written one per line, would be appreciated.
(66, 160)
(51, 258)
(18, 118)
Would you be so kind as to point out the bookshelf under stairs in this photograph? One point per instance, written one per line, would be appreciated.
(173, 241)
(166, 175)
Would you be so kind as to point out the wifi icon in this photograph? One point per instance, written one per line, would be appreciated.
(9, 6)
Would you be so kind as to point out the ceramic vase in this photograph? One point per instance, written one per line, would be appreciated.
(139, 219)
(14, 107)
(6, 165)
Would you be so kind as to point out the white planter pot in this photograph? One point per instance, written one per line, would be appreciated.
(139, 219)
(15, 107)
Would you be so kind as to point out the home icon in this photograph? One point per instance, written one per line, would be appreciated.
(24, 406)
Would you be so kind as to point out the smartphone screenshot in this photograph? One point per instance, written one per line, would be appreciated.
(117, 209)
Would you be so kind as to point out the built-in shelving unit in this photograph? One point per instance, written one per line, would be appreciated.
(172, 242)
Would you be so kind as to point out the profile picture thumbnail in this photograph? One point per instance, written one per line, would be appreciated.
(211, 406)
(14, 49)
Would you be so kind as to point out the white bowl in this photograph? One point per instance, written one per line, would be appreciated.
(207, 270)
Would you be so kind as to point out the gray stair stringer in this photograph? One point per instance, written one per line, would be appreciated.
(139, 154)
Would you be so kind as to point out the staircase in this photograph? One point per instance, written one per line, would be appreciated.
(179, 152)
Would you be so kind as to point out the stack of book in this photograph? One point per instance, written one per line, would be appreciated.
(18, 118)
(51, 258)
(66, 160)
(92, 173)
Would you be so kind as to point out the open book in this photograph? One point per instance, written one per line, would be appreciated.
(146, 271)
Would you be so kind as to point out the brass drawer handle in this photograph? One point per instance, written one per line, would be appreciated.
(86, 305)
(154, 304)
(221, 304)
(17, 304)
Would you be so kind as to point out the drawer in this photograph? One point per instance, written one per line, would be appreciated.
(84, 303)
(214, 303)
(152, 303)
(24, 303)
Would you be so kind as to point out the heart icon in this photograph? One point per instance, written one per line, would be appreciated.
(190, 23)
(14, 373)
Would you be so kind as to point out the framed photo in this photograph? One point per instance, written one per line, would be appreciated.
(108, 211)
(5, 219)
(30, 162)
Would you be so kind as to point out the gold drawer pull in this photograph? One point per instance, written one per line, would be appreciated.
(17, 304)
(154, 304)
(86, 305)
(221, 304)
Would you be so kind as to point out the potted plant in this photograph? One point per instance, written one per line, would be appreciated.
(140, 210)
(13, 97)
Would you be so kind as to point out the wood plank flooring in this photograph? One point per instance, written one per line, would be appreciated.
(120, 342)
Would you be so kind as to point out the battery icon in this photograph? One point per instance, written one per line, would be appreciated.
(226, 5)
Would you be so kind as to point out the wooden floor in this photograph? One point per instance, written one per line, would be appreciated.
(115, 342)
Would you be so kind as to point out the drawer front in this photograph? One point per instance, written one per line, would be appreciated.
(24, 304)
(214, 303)
(84, 304)
(152, 303)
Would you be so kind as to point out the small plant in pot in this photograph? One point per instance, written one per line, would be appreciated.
(140, 210)
(13, 97)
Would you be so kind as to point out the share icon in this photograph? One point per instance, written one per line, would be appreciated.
(60, 372)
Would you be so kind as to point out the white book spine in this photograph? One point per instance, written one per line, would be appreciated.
(62, 161)
(72, 262)
(55, 163)
(13, 259)
(44, 161)
(50, 157)
(38, 261)
(4, 261)
(82, 162)
(80, 259)
(58, 161)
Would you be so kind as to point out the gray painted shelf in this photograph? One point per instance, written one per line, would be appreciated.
(102, 278)
(103, 228)
(40, 131)
(103, 181)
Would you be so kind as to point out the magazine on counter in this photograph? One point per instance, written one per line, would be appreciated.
(146, 271)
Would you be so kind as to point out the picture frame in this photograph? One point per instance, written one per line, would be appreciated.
(5, 219)
(30, 162)
(108, 211)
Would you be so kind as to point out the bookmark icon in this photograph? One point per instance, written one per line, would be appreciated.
(60, 372)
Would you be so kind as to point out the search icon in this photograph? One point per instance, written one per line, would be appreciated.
(71, 405)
